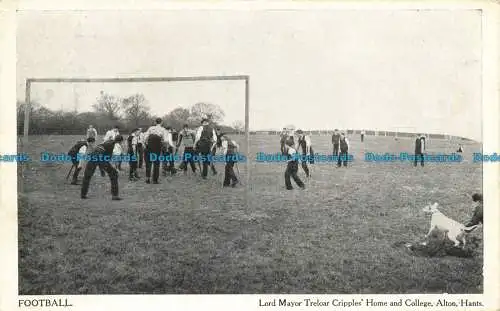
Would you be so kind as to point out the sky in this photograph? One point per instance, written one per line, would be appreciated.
(386, 70)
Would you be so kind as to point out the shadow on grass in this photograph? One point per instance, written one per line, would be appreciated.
(439, 246)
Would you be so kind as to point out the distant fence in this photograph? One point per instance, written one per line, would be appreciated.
(370, 133)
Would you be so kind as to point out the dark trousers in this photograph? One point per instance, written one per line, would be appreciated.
(168, 166)
(119, 162)
(76, 172)
(362, 137)
(335, 149)
(140, 154)
(342, 158)
(204, 150)
(307, 158)
(188, 157)
(419, 156)
(304, 167)
(153, 152)
(212, 166)
(477, 217)
(104, 166)
(132, 164)
(229, 175)
(291, 171)
(153, 164)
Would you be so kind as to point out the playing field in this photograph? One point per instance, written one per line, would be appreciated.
(186, 235)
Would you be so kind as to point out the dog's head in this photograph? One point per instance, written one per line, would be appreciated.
(431, 208)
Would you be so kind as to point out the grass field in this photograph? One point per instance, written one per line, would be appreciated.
(189, 236)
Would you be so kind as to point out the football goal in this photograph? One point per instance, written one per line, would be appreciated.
(50, 102)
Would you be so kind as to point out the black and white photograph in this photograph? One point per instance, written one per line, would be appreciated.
(252, 151)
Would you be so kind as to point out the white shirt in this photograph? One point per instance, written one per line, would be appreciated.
(82, 151)
(291, 152)
(347, 143)
(198, 135)
(225, 145)
(159, 131)
(111, 134)
(117, 149)
(135, 140)
(140, 138)
(422, 143)
(169, 140)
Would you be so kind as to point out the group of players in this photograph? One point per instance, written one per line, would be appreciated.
(291, 147)
(157, 146)
(160, 145)
(204, 141)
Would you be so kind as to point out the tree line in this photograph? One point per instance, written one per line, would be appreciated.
(127, 113)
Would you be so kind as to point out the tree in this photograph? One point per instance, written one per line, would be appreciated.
(180, 114)
(177, 117)
(21, 108)
(108, 105)
(136, 109)
(39, 117)
(239, 126)
(127, 113)
(206, 110)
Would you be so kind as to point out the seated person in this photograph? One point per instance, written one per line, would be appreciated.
(477, 216)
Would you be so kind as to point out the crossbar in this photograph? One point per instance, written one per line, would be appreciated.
(137, 79)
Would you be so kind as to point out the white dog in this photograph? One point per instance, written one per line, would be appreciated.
(454, 230)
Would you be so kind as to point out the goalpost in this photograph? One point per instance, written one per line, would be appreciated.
(244, 78)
